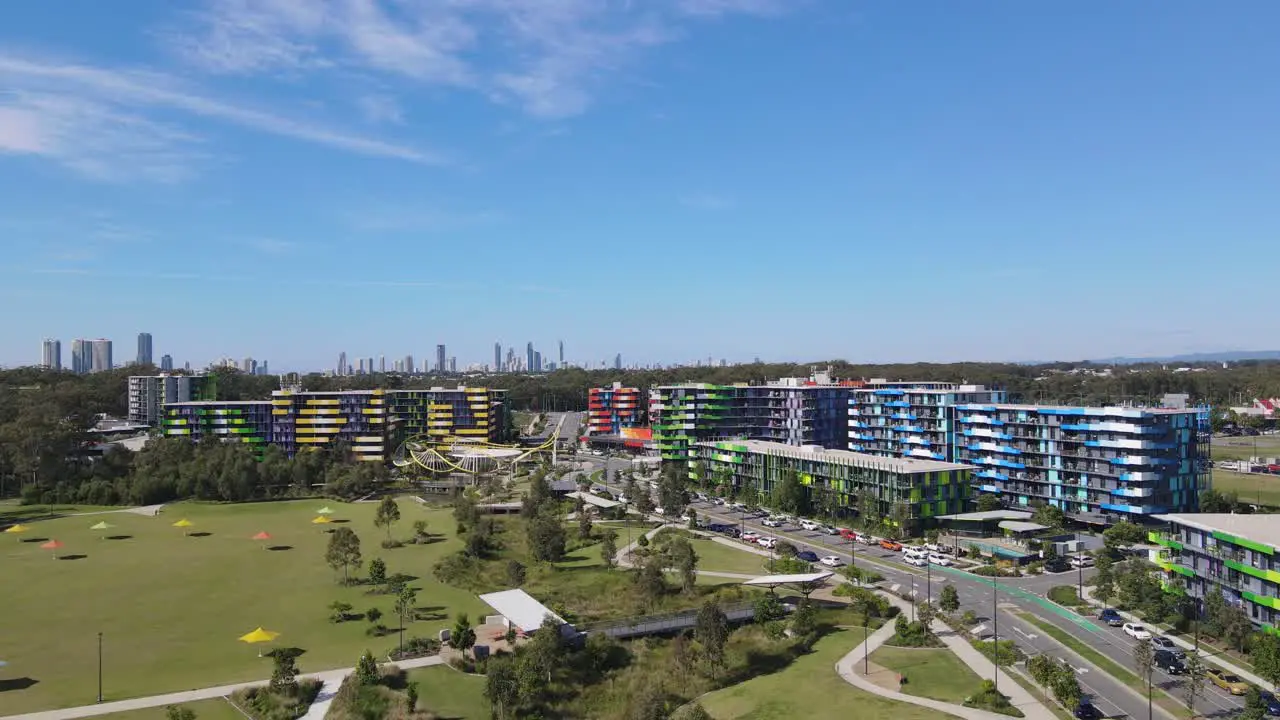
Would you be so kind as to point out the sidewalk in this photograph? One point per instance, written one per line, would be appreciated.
(849, 668)
(188, 696)
(1188, 646)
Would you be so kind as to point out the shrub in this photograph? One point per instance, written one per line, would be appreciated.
(1064, 595)
(993, 571)
(261, 703)
(988, 698)
(968, 618)
(390, 544)
(417, 647)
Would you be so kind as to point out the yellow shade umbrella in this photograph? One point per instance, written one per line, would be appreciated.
(321, 520)
(326, 510)
(184, 524)
(259, 636)
(16, 529)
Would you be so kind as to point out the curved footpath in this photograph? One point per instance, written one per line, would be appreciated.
(849, 668)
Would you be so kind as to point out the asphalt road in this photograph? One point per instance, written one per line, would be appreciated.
(1022, 594)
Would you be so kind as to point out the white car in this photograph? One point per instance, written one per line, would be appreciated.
(831, 561)
(916, 560)
(1136, 631)
(771, 522)
(939, 559)
(809, 525)
(767, 542)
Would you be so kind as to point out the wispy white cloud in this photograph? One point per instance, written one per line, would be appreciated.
(380, 109)
(548, 56)
(102, 122)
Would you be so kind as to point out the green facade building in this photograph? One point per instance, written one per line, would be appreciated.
(907, 492)
(245, 421)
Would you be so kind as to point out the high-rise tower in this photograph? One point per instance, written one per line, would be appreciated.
(144, 348)
(52, 356)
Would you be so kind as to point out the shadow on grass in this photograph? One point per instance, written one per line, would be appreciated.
(72, 557)
(199, 534)
(119, 537)
(279, 548)
(292, 652)
(35, 540)
(430, 612)
(340, 520)
(21, 683)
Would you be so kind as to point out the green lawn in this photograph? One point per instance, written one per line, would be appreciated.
(172, 606)
(809, 688)
(1243, 448)
(715, 556)
(450, 694)
(217, 709)
(932, 673)
(1251, 487)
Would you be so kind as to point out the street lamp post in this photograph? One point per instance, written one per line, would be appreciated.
(913, 598)
(865, 661)
(995, 637)
(1080, 574)
(99, 667)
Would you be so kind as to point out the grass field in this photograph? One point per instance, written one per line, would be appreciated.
(1251, 487)
(1243, 448)
(931, 673)
(172, 606)
(809, 688)
(720, 558)
(450, 693)
(218, 709)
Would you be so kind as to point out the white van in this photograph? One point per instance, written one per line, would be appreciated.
(912, 552)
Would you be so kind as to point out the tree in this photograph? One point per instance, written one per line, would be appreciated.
(1050, 552)
(339, 611)
(387, 514)
(373, 615)
(1192, 682)
(712, 633)
(546, 537)
(988, 502)
(516, 573)
(406, 604)
(1122, 535)
(950, 599)
(502, 687)
(925, 613)
(547, 647)
(1050, 516)
(420, 529)
(768, 608)
(682, 557)
(650, 581)
(179, 712)
(584, 524)
(411, 696)
(692, 712)
(693, 520)
(671, 492)
(1144, 660)
(804, 623)
(343, 551)
(1064, 685)
(284, 673)
(609, 547)
(367, 670)
(642, 500)
(1236, 627)
(1264, 651)
(463, 637)
(1255, 707)
(377, 572)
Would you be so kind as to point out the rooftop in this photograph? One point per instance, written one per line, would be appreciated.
(772, 580)
(520, 608)
(988, 515)
(1124, 411)
(1021, 526)
(841, 457)
(218, 403)
(1259, 528)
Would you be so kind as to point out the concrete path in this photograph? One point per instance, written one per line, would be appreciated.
(205, 694)
(145, 510)
(1205, 652)
(850, 669)
(320, 707)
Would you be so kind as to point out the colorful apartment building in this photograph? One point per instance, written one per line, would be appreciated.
(1237, 555)
(148, 394)
(910, 419)
(243, 421)
(610, 409)
(906, 491)
(790, 411)
(357, 418)
(442, 414)
(1098, 464)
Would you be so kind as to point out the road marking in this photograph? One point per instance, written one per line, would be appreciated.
(1029, 636)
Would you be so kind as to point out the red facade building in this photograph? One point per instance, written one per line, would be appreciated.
(610, 409)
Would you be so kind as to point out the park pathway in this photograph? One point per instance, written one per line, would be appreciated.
(188, 696)
(850, 669)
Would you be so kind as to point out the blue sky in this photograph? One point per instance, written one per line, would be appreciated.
(669, 179)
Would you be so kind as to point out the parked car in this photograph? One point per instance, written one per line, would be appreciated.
(939, 559)
(1161, 642)
(719, 501)
(1058, 564)
(868, 539)
(1227, 681)
(831, 561)
(1136, 631)
(829, 530)
(1272, 703)
(933, 547)
(771, 522)
(767, 542)
(807, 556)
(750, 536)
(847, 534)
(1111, 617)
(809, 525)
(1081, 561)
(891, 545)
(1087, 711)
(1168, 662)
(916, 560)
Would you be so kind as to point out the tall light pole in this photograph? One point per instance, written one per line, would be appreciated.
(1080, 573)
(99, 667)
(995, 637)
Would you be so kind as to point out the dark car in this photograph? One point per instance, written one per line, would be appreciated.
(1059, 564)
(1111, 617)
(807, 556)
(1169, 661)
(1269, 699)
(1087, 711)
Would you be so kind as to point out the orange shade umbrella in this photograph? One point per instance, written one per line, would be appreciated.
(264, 535)
(53, 545)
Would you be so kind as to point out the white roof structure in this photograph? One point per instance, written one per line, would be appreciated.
(1021, 526)
(772, 580)
(988, 515)
(591, 499)
(520, 608)
(1259, 528)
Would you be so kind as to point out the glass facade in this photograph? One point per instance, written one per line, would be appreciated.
(1203, 552)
